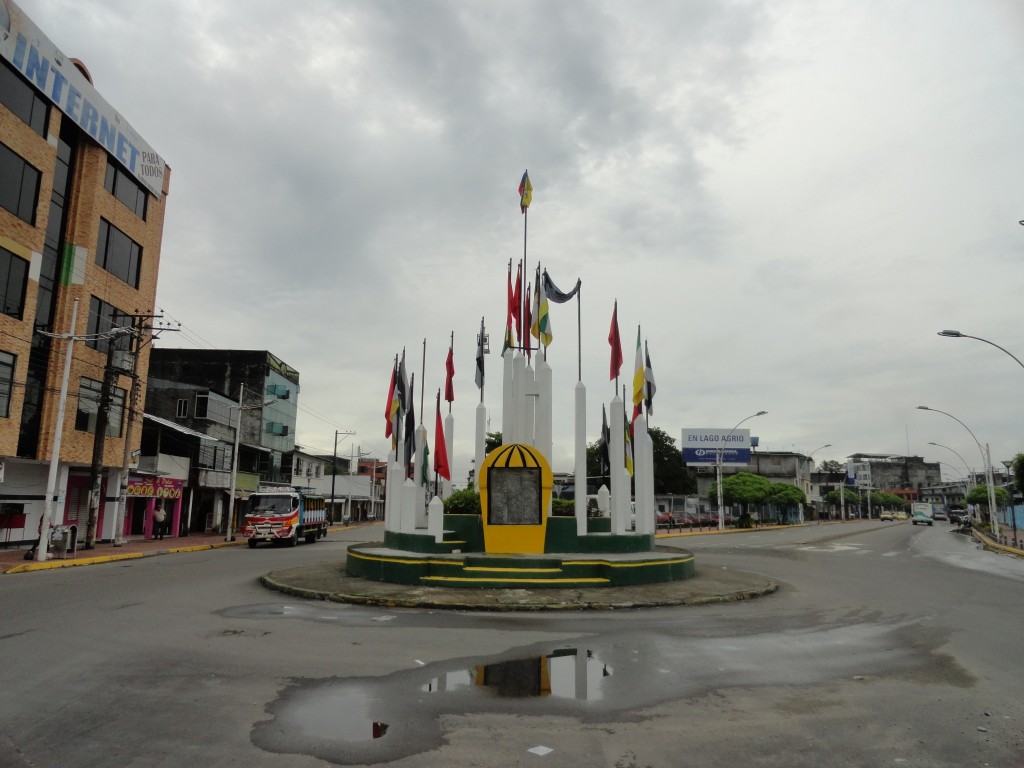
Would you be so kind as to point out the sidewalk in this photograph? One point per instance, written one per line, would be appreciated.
(13, 560)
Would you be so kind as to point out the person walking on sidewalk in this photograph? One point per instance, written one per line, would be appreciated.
(159, 521)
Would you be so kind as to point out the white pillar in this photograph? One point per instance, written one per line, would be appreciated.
(542, 417)
(528, 421)
(619, 477)
(435, 519)
(642, 468)
(507, 405)
(581, 459)
(407, 518)
(515, 426)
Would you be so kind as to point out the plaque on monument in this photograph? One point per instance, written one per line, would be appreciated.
(513, 496)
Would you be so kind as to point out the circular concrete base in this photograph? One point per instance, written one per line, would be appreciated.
(329, 581)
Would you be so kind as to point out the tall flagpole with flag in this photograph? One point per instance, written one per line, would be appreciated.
(616, 344)
(525, 198)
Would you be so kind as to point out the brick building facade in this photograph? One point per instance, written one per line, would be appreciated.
(82, 201)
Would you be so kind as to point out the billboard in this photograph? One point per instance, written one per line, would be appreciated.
(703, 446)
(57, 78)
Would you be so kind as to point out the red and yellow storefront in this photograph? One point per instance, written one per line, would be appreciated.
(144, 493)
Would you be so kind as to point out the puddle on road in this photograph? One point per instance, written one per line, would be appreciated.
(376, 720)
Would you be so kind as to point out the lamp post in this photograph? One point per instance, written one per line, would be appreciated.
(940, 445)
(985, 459)
(718, 466)
(230, 535)
(958, 335)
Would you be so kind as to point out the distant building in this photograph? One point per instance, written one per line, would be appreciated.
(82, 200)
(199, 390)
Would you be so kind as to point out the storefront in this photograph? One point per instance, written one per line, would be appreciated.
(144, 494)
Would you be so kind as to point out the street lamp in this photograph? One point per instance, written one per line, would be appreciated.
(988, 467)
(958, 335)
(940, 445)
(230, 535)
(718, 465)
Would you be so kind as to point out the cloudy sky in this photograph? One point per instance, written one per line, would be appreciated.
(790, 198)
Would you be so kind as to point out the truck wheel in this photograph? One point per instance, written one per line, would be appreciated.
(292, 540)
(311, 538)
(252, 543)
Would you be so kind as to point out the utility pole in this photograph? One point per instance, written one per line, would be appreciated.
(96, 467)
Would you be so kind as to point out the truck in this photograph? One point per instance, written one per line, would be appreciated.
(282, 514)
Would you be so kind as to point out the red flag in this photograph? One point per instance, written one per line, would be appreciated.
(616, 344)
(440, 449)
(517, 298)
(388, 414)
(449, 383)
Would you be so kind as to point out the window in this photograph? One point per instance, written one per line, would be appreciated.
(182, 410)
(202, 405)
(118, 254)
(6, 379)
(89, 392)
(13, 279)
(125, 188)
(213, 456)
(19, 185)
(22, 99)
(102, 318)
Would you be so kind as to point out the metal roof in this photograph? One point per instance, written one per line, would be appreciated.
(177, 427)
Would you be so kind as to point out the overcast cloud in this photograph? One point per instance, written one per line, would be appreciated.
(790, 198)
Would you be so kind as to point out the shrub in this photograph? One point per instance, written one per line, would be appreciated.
(463, 502)
(563, 507)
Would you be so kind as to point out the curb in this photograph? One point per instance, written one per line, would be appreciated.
(446, 599)
(50, 565)
(994, 546)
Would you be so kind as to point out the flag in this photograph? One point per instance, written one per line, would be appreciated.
(508, 342)
(449, 377)
(527, 320)
(388, 414)
(525, 192)
(425, 464)
(517, 300)
(541, 328)
(554, 294)
(649, 388)
(399, 404)
(510, 297)
(606, 439)
(628, 447)
(638, 379)
(480, 357)
(616, 344)
(410, 432)
(440, 448)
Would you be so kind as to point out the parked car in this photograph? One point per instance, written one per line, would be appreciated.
(921, 517)
(887, 515)
(666, 520)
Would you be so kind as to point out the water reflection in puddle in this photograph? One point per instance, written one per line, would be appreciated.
(567, 673)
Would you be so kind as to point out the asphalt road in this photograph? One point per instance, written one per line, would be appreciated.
(886, 645)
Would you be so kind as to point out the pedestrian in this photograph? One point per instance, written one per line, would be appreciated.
(159, 521)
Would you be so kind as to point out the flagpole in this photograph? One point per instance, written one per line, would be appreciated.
(451, 346)
(579, 337)
(436, 480)
(423, 378)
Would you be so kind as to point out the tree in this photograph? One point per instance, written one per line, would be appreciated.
(492, 441)
(1018, 471)
(978, 495)
(742, 488)
(670, 474)
(786, 496)
(831, 466)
